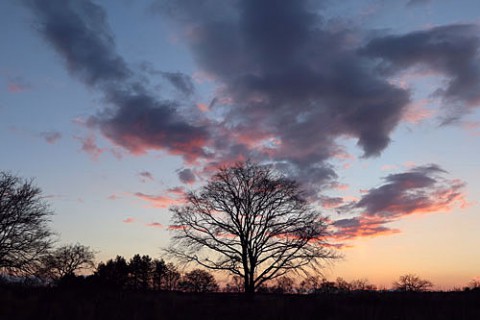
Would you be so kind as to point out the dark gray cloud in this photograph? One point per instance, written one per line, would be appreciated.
(146, 175)
(181, 82)
(289, 83)
(287, 74)
(138, 120)
(422, 189)
(452, 51)
(186, 176)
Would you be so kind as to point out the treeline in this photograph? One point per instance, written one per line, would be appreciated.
(141, 272)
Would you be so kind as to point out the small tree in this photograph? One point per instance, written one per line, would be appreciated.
(284, 285)
(24, 232)
(198, 281)
(412, 283)
(67, 260)
(310, 285)
(235, 285)
(251, 221)
(171, 278)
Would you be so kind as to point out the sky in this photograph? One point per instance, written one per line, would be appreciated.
(118, 107)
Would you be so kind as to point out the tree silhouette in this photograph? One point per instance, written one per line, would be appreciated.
(24, 232)
(411, 282)
(159, 274)
(113, 273)
(251, 221)
(171, 277)
(66, 261)
(141, 271)
(198, 281)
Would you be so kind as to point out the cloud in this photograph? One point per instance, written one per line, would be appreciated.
(146, 175)
(17, 84)
(411, 3)
(136, 120)
(114, 197)
(452, 51)
(180, 81)
(158, 201)
(155, 225)
(89, 145)
(421, 189)
(129, 220)
(361, 227)
(186, 176)
(51, 137)
(289, 83)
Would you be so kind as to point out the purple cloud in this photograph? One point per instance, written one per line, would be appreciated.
(453, 51)
(422, 189)
(137, 120)
(186, 176)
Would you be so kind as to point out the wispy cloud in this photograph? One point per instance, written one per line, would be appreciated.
(17, 84)
(129, 220)
(422, 189)
(146, 176)
(51, 137)
(89, 145)
(155, 225)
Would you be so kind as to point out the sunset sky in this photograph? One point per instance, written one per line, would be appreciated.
(117, 107)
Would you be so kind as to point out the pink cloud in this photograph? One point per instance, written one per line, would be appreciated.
(90, 146)
(419, 190)
(472, 127)
(158, 201)
(113, 197)
(17, 85)
(418, 112)
(388, 167)
(155, 225)
(128, 220)
(203, 107)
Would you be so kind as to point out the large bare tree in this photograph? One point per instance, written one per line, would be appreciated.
(251, 221)
(24, 232)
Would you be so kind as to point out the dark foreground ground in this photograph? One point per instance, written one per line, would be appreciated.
(87, 304)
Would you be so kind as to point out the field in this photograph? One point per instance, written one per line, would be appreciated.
(18, 302)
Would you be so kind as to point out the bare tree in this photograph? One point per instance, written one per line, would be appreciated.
(24, 232)
(67, 260)
(251, 221)
(284, 285)
(412, 283)
(311, 284)
(171, 277)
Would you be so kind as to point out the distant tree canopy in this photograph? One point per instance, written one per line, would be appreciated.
(197, 281)
(25, 235)
(251, 221)
(412, 283)
(66, 260)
